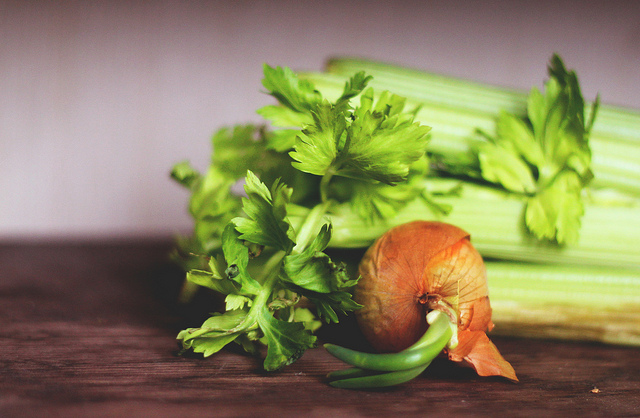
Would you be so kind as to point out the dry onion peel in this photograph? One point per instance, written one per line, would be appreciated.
(420, 279)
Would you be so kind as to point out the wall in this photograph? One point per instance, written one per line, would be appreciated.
(99, 99)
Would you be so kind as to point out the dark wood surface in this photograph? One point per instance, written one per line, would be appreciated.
(88, 329)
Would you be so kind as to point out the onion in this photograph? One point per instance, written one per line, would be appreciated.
(413, 270)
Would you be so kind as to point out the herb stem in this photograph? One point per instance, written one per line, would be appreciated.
(311, 225)
(272, 269)
(324, 184)
(261, 300)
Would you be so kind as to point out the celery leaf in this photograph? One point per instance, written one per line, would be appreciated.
(555, 212)
(292, 92)
(212, 205)
(236, 254)
(316, 148)
(382, 141)
(255, 308)
(547, 157)
(267, 224)
(312, 269)
(286, 341)
(215, 333)
(314, 275)
(501, 165)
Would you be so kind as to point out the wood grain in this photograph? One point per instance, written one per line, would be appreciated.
(88, 329)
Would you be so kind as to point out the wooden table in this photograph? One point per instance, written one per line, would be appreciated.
(88, 329)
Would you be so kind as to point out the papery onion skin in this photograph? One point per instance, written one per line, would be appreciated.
(408, 268)
(417, 267)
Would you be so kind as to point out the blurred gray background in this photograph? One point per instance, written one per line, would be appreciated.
(98, 99)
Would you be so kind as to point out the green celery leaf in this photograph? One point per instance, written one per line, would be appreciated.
(267, 224)
(313, 274)
(283, 84)
(316, 147)
(235, 149)
(558, 121)
(302, 116)
(286, 341)
(283, 140)
(208, 280)
(307, 318)
(234, 302)
(209, 343)
(327, 304)
(236, 254)
(375, 201)
(549, 160)
(212, 197)
(312, 269)
(569, 81)
(212, 202)
(247, 342)
(518, 136)
(537, 112)
(185, 174)
(501, 165)
(297, 99)
(555, 212)
(225, 322)
(379, 201)
(382, 142)
(375, 141)
(212, 205)
(215, 333)
(281, 116)
(352, 88)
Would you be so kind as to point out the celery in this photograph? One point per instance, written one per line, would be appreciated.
(565, 302)
(362, 166)
(457, 108)
(608, 237)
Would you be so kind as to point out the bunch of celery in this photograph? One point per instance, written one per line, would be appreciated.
(576, 279)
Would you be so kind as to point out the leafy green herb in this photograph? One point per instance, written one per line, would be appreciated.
(318, 155)
(547, 157)
(253, 303)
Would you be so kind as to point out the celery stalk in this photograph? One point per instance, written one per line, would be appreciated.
(608, 236)
(583, 303)
(457, 108)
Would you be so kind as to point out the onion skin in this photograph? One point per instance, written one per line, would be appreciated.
(418, 267)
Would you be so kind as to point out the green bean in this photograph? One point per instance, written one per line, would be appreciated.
(379, 380)
(350, 372)
(422, 352)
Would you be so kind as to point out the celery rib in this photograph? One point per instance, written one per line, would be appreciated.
(568, 302)
(494, 218)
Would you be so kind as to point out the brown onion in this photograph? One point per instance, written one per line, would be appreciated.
(422, 266)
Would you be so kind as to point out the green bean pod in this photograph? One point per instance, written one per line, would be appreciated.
(422, 352)
(350, 373)
(378, 380)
